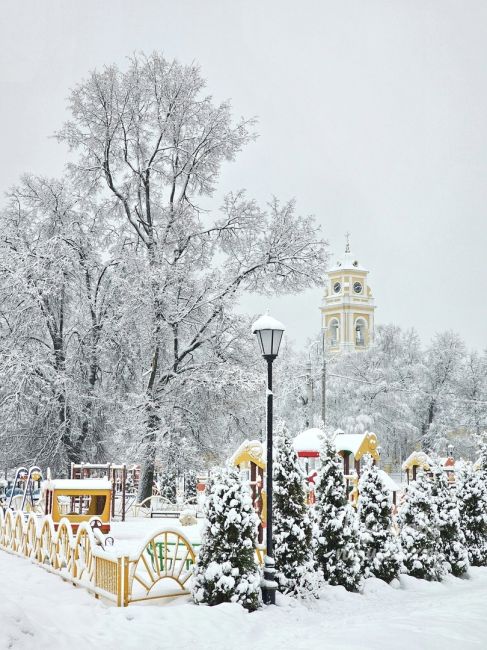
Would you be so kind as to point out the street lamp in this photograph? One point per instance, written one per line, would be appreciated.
(269, 333)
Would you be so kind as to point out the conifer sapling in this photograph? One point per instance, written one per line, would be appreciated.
(337, 548)
(226, 570)
(382, 557)
(472, 501)
(419, 532)
(293, 554)
(452, 539)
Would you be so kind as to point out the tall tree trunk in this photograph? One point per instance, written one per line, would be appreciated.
(87, 425)
(147, 475)
(153, 421)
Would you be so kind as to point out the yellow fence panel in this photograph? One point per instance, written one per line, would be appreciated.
(161, 569)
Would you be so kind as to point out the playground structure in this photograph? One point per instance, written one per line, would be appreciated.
(78, 501)
(124, 481)
(351, 447)
(391, 485)
(418, 460)
(249, 458)
(23, 493)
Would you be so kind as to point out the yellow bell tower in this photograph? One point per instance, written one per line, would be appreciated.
(348, 306)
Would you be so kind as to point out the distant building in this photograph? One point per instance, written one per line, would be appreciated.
(348, 308)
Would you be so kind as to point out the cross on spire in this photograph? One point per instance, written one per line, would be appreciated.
(347, 248)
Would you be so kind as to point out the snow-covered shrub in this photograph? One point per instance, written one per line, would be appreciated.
(452, 539)
(379, 544)
(337, 547)
(296, 573)
(225, 570)
(167, 485)
(190, 486)
(419, 532)
(472, 501)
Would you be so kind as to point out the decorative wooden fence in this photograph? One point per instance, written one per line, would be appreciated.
(161, 569)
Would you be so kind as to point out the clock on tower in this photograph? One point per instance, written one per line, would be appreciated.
(348, 305)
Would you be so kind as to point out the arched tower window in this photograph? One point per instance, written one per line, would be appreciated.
(334, 332)
(360, 330)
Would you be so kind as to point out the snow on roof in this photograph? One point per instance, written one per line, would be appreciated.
(447, 461)
(388, 481)
(349, 442)
(266, 322)
(347, 262)
(308, 440)
(78, 484)
(249, 450)
(418, 458)
(357, 444)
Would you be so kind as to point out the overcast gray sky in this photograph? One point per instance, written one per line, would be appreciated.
(372, 113)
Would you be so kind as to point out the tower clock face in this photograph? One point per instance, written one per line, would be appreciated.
(336, 287)
(357, 287)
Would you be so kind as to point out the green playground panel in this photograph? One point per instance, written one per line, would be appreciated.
(160, 555)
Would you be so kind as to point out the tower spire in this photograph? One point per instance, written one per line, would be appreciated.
(347, 247)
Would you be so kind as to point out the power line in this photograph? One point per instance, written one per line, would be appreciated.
(406, 390)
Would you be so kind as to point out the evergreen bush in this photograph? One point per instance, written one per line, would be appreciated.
(419, 532)
(452, 539)
(226, 570)
(379, 544)
(296, 573)
(472, 500)
(337, 545)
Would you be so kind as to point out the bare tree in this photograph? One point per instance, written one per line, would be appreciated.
(155, 143)
(54, 291)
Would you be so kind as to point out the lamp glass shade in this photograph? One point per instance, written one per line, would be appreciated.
(269, 341)
(276, 341)
(269, 333)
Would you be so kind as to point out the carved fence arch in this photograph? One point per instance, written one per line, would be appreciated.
(162, 568)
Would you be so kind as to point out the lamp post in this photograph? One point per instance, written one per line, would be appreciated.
(269, 334)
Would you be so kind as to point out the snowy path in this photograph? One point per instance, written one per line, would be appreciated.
(38, 610)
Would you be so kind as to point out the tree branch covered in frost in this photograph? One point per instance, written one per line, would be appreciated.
(408, 393)
(153, 144)
(121, 284)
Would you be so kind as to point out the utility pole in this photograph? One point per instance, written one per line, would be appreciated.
(323, 375)
(309, 393)
(309, 380)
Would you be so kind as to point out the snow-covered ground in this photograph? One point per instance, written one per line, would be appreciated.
(39, 610)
